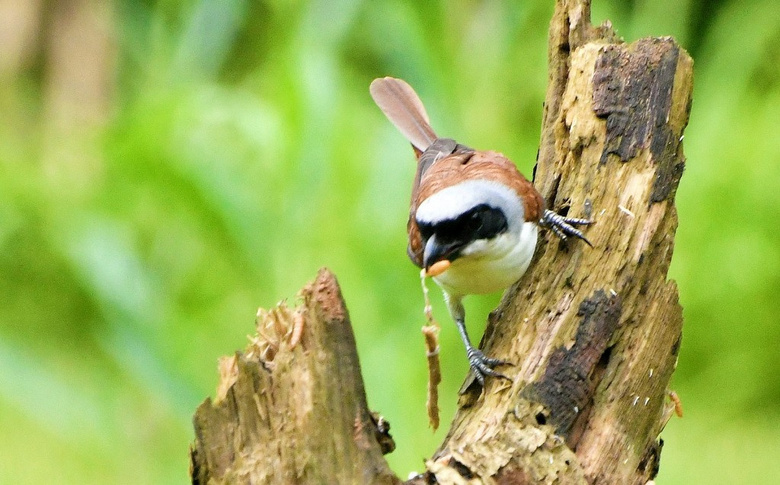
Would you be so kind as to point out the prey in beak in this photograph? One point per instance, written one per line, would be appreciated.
(438, 256)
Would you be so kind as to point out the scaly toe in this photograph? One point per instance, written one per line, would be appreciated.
(483, 366)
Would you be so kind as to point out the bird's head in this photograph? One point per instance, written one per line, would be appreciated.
(468, 220)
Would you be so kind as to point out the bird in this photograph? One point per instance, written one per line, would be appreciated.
(473, 218)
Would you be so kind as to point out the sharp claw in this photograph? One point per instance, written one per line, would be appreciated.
(558, 232)
(483, 366)
(577, 221)
(564, 226)
(586, 241)
(480, 377)
(496, 362)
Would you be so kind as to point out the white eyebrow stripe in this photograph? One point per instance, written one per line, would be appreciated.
(451, 202)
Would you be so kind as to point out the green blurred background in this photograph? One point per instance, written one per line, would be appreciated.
(167, 167)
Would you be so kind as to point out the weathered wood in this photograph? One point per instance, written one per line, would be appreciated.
(292, 408)
(594, 333)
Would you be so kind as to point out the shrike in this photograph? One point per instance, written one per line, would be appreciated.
(474, 217)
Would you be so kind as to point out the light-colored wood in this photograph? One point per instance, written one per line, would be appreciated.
(289, 413)
(593, 332)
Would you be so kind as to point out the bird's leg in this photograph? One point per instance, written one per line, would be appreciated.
(480, 364)
(564, 226)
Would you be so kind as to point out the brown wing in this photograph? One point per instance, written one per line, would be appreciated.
(443, 162)
(461, 167)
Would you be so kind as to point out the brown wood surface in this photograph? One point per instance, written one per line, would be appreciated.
(593, 332)
(292, 408)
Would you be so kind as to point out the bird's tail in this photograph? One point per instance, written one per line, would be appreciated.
(403, 108)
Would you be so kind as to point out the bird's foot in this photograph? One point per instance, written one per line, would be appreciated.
(482, 365)
(563, 227)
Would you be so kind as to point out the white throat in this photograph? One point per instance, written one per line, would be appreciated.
(487, 266)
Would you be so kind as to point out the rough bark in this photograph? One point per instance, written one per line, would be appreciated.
(593, 332)
(292, 408)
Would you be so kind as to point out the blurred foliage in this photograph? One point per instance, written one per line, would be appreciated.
(238, 151)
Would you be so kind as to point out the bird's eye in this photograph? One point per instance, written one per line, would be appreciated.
(484, 222)
(475, 221)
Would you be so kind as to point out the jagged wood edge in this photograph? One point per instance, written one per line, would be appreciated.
(595, 334)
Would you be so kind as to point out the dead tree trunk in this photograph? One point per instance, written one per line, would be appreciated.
(292, 408)
(594, 332)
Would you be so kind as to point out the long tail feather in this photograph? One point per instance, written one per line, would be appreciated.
(403, 108)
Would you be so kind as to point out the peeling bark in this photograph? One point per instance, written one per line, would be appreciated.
(293, 413)
(593, 332)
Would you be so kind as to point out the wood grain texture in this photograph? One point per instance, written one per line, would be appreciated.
(293, 414)
(594, 333)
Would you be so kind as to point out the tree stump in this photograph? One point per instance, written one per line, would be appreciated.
(593, 332)
(292, 408)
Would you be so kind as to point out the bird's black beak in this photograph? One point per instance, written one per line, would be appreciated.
(435, 251)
